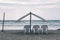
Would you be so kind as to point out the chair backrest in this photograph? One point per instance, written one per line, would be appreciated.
(44, 26)
(36, 26)
(27, 26)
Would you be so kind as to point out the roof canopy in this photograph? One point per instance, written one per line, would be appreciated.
(31, 14)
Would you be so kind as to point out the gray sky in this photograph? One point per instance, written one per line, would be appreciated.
(14, 9)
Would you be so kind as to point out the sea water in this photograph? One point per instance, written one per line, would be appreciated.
(19, 25)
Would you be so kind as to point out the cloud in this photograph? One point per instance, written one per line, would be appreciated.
(30, 2)
(17, 7)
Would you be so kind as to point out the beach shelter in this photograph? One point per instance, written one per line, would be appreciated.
(29, 27)
(35, 28)
(44, 29)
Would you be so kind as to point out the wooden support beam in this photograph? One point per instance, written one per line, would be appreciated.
(39, 17)
(30, 21)
(3, 22)
(22, 17)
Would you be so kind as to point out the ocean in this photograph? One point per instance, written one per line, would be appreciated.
(13, 25)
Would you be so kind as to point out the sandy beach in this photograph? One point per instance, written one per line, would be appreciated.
(18, 35)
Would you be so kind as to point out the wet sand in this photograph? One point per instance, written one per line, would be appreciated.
(18, 35)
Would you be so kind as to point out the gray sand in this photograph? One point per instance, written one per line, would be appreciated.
(17, 35)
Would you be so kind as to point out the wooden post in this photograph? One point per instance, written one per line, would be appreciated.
(3, 22)
(30, 21)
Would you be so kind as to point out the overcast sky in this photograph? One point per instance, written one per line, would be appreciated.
(14, 9)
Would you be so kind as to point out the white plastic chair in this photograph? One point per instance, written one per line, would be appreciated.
(27, 29)
(36, 28)
(44, 29)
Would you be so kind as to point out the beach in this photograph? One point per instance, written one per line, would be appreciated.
(19, 35)
(14, 31)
